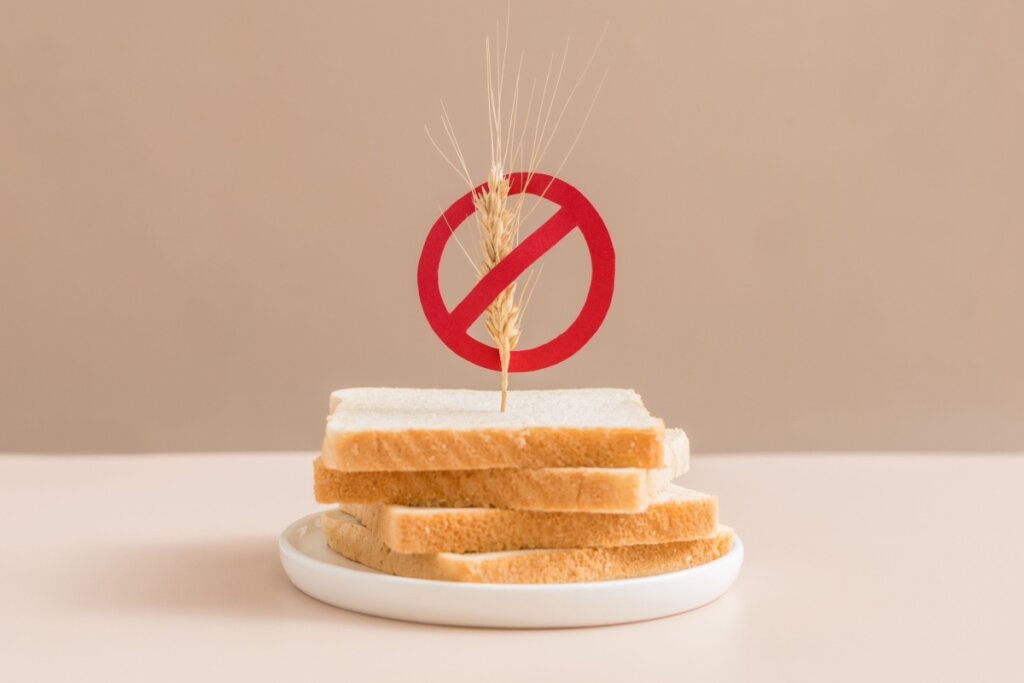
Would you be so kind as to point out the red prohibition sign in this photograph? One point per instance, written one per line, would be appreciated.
(452, 326)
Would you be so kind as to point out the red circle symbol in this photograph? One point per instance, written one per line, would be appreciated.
(452, 326)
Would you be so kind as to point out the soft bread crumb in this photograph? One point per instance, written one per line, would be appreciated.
(376, 429)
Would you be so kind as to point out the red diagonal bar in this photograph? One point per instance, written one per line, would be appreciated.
(511, 267)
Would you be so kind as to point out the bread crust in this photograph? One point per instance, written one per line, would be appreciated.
(547, 489)
(354, 541)
(446, 449)
(473, 530)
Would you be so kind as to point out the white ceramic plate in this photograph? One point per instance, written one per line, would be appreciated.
(323, 574)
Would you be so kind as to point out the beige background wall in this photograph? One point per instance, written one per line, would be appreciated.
(211, 215)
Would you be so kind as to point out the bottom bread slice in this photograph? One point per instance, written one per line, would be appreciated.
(676, 514)
(346, 536)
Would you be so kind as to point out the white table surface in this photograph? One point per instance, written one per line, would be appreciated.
(858, 567)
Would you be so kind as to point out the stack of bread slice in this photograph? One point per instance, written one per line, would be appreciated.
(567, 485)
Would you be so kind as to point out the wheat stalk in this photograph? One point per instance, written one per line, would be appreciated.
(498, 218)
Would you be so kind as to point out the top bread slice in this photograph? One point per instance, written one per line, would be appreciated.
(394, 430)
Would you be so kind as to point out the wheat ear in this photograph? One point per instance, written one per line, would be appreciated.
(499, 232)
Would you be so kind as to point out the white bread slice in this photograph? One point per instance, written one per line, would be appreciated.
(676, 514)
(346, 536)
(384, 430)
(555, 489)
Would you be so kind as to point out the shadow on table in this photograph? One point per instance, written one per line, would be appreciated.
(239, 578)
